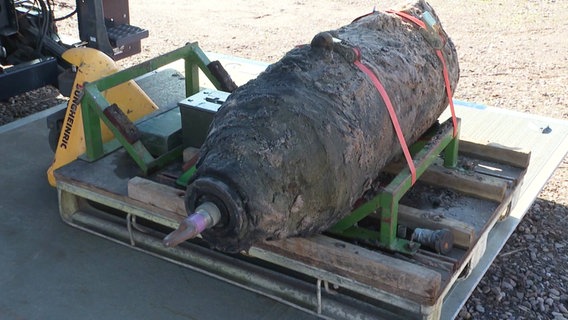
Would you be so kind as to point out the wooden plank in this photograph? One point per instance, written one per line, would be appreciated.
(372, 268)
(464, 234)
(497, 153)
(476, 185)
(122, 202)
(436, 261)
(472, 184)
(156, 194)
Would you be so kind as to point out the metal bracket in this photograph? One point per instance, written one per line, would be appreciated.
(95, 107)
(426, 151)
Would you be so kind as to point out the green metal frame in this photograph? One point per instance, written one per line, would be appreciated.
(387, 200)
(93, 105)
(183, 179)
(425, 152)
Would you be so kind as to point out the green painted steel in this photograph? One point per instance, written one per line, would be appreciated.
(94, 103)
(426, 151)
(184, 178)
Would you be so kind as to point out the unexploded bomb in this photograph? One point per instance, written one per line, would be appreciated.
(290, 152)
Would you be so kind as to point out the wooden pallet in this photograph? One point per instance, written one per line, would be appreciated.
(320, 274)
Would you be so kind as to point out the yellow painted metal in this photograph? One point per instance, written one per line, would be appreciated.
(92, 65)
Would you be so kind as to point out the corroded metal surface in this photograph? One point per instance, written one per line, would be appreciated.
(291, 151)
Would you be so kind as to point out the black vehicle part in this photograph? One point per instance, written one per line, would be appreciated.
(28, 76)
(105, 25)
(8, 21)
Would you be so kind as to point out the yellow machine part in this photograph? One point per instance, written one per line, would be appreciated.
(92, 65)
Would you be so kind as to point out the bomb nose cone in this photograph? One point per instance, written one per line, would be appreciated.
(233, 222)
(206, 216)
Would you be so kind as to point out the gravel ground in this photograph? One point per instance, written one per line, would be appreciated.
(513, 55)
(29, 103)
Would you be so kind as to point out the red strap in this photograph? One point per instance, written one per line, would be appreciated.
(365, 15)
(390, 108)
(448, 91)
(440, 55)
(409, 17)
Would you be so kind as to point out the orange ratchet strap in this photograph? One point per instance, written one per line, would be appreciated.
(440, 55)
(365, 15)
(390, 108)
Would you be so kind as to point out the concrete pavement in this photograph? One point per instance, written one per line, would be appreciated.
(49, 270)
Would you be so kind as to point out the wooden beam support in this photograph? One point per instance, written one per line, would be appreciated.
(464, 234)
(496, 153)
(156, 194)
(471, 183)
(372, 268)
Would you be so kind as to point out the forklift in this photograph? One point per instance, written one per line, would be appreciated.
(31, 48)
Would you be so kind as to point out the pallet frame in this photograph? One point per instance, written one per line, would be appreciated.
(387, 201)
(386, 290)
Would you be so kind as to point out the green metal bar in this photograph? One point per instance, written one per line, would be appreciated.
(422, 141)
(387, 201)
(423, 159)
(137, 152)
(91, 129)
(197, 59)
(403, 182)
(191, 77)
(166, 158)
(357, 215)
(389, 218)
(451, 151)
(127, 74)
(203, 61)
(389, 224)
(184, 178)
(191, 53)
(94, 103)
(373, 237)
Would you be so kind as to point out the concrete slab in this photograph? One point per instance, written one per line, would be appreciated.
(49, 270)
